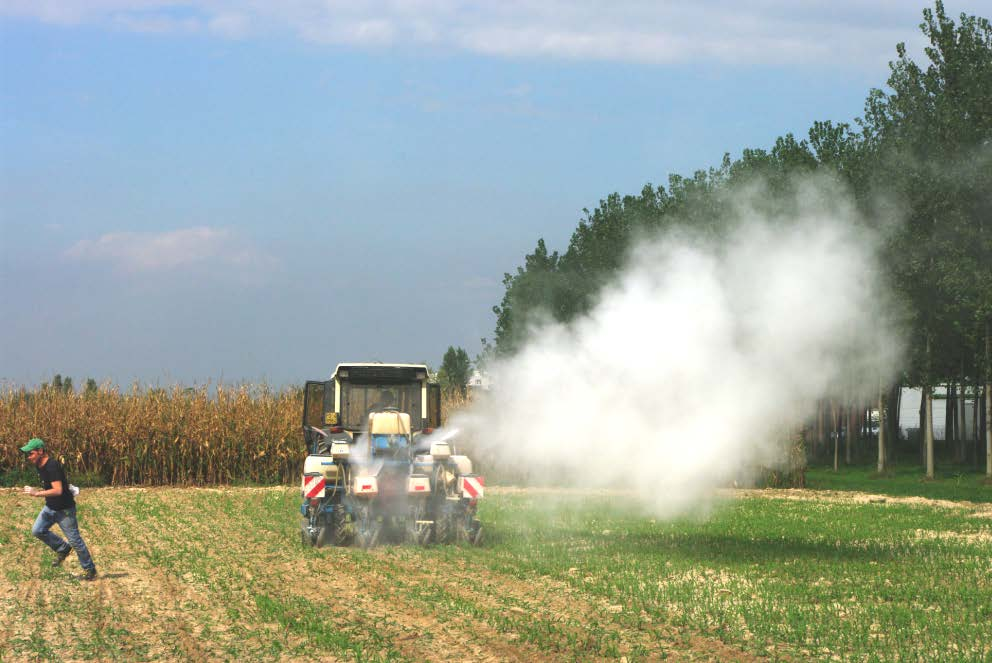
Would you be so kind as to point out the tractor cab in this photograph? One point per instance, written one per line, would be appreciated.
(392, 403)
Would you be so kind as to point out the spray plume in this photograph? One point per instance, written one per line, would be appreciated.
(700, 358)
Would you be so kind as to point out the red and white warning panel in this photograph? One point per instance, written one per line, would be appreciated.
(313, 486)
(472, 486)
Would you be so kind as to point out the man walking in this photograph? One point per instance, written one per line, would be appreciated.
(60, 507)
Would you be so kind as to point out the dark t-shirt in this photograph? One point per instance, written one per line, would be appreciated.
(52, 471)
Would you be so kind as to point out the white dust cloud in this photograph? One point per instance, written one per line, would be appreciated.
(700, 360)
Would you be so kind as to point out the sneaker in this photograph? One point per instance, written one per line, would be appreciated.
(60, 555)
(89, 574)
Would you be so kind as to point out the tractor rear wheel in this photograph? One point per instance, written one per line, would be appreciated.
(444, 522)
(323, 534)
(443, 511)
(465, 529)
(339, 525)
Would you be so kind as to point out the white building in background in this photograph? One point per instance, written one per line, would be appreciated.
(479, 380)
(909, 413)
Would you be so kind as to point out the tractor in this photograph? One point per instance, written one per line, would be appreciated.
(376, 469)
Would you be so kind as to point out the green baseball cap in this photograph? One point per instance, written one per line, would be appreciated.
(33, 443)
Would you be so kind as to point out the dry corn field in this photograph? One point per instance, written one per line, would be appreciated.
(175, 436)
(160, 436)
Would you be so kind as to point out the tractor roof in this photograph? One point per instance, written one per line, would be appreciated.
(378, 371)
(353, 364)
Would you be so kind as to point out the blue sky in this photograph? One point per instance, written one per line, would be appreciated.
(206, 190)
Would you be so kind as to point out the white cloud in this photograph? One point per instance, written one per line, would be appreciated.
(74, 12)
(230, 25)
(158, 252)
(156, 24)
(331, 30)
(653, 31)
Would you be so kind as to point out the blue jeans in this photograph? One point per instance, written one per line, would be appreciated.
(66, 520)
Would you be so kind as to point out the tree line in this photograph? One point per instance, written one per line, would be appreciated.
(924, 143)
